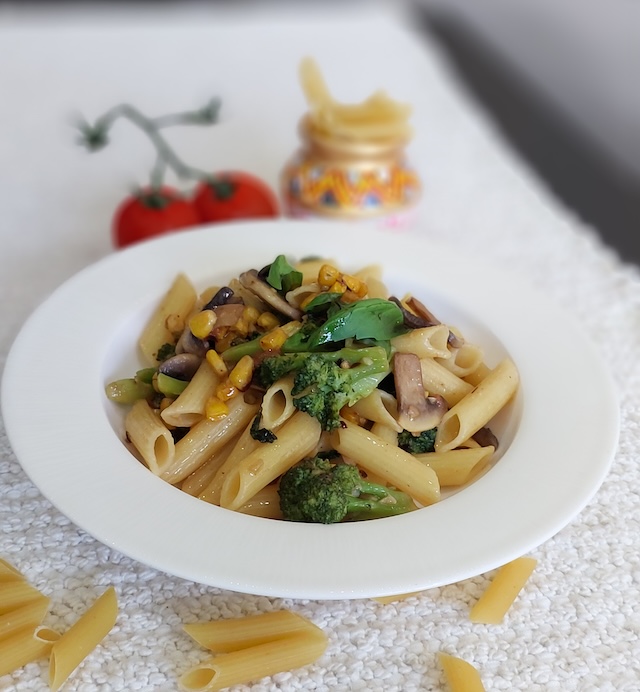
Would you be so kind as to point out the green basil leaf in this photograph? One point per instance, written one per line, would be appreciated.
(321, 301)
(282, 276)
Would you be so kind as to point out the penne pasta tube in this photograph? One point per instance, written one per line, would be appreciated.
(461, 676)
(15, 594)
(476, 409)
(8, 572)
(255, 662)
(379, 407)
(232, 634)
(196, 482)
(436, 379)
(397, 467)
(494, 603)
(206, 438)
(399, 597)
(296, 439)
(427, 342)
(310, 268)
(23, 646)
(384, 432)
(82, 638)
(189, 407)
(30, 615)
(474, 378)
(457, 466)
(150, 437)
(168, 319)
(277, 404)
(464, 360)
(265, 503)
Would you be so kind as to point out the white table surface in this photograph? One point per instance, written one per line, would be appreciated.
(576, 625)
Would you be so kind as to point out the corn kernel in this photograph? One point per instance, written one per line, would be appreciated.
(240, 376)
(352, 283)
(215, 361)
(225, 390)
(202, 323)
(241, 327)
(225, 340)
(267, 320)
(215, 409)
(349, 297)
(327, 275)
(337, 287)
(250, 314)
(273, 339)
(291, 328)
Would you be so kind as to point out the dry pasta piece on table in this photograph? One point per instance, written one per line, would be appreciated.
(461, 676)
(494, 603)
(24, 646)
(82, 638)
(30, 614)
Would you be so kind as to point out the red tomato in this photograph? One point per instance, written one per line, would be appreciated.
(234, 195)
(151, 213)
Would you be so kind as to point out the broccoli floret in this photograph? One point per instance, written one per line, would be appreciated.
(325, 382)
(165, 351)
(318, 491)
(417, 444)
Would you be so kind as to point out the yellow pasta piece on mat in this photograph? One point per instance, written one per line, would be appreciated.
(461, 676)
(8, 572)
(14, 594)
(25, 645)
(502, 592)
(82, 638)
(30, 614)
(398, 597)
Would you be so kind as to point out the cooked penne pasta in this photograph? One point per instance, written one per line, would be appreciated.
(297, 438)
(397, 467)
(474, 378)
(150, 437)
(168, 318)
(311, 267)
(428, 342)
(205, 438)
(189, 407)
(14, 594)
(436, 379)
(196, 482)
(277, 404)
(28, 615)
(510, 579)
(23, 646)
(379, 407)
(457, 466)
(232, 634)
(265, 503)
(463, 361)
(386, 433)
(255, 662)
(82, 637)
(476, 409)
(461, 676)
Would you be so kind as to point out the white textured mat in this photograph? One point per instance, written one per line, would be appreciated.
(576, 626)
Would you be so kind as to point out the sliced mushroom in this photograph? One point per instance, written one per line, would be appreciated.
(221, 297)
(188, 343)
(181, 367)
(485, 438)
(416, 412)
(261, 288)
(422, 310)
(410, 320)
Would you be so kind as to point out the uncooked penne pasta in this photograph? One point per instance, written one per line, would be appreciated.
(398, 597)
(397, 467)
(168, 318)
(82, 638)
(232, 634)
(437, 380)
(379, 407)
(189, 407)
(207, 437)
(510, 579)
(476, 409)
(457, 466)
(296, 438)
(255, 662)
(150, 437)
(30, 615)
(461, 675)
(277, 404)
(15, 594)
(428, 342)
(23, 646)
(8, 572)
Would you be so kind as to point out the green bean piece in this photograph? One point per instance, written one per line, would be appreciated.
(170, 386)
(128, 391)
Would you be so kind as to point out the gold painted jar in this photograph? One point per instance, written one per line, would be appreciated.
(336, 177)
